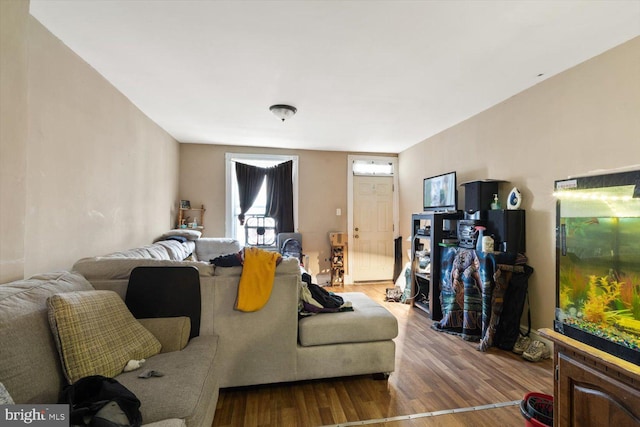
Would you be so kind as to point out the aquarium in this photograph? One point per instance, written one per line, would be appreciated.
(598, 262)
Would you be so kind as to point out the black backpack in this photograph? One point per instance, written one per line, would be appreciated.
(292, 248)
(100, 401)
(326, 299)
(508, 328)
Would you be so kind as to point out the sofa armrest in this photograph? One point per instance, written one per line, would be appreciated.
(172, 332)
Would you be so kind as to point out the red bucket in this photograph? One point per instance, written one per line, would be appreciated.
(537, 409)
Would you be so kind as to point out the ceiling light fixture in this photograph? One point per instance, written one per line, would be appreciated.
(283, 111)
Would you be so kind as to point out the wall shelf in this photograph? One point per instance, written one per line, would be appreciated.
(338, 258)
(186, 215)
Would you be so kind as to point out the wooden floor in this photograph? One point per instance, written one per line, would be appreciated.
(434, 371)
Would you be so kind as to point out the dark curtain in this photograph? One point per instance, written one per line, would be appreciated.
(250, 180)
(280, 196)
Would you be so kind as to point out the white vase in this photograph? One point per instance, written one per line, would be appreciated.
(514, 199)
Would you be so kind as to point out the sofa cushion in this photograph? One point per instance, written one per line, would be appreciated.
(188, 386)
(96, 334)
(369, 321)
(102, 268)
(26, 339)
(172, 332)
(208, 248)
(287, 266)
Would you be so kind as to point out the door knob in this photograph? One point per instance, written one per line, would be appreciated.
(357, 229)
(356, 236)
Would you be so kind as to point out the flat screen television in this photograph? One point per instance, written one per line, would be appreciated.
(440, 193)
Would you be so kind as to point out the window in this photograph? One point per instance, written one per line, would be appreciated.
(254, 218)
(372, 168)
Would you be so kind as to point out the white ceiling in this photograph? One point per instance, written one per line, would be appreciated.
(373, 76)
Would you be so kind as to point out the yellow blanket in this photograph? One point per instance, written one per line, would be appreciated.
(256, 281)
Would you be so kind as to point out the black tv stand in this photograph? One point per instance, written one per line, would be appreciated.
(425, 286)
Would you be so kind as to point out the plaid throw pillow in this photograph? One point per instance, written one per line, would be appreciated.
(96, 334)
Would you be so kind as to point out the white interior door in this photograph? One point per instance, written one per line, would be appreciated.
(373, 247)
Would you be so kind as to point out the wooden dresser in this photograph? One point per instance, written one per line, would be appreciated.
(591, 387)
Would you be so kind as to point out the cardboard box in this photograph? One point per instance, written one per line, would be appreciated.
(338, 238)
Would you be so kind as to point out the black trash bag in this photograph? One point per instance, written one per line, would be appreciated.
(100, 401)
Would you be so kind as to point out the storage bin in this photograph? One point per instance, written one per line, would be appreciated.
(537, 410)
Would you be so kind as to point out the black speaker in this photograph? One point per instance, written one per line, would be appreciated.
(508, 228)
(478, 195)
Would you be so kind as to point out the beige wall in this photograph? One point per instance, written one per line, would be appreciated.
(13, 136)
(584, 119)
(93, 174)
(322, 189)
(84, 172)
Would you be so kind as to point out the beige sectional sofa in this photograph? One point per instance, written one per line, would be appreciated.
(32, 373)
(269, 345)
(234, 348)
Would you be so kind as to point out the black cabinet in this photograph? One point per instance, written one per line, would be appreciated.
(508, 229)
(430, 230)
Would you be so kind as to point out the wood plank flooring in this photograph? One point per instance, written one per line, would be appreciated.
(435, 371)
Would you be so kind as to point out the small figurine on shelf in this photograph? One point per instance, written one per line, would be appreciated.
(183, 224)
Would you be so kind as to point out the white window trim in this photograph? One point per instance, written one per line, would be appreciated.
(231, 222)
(396, 201)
